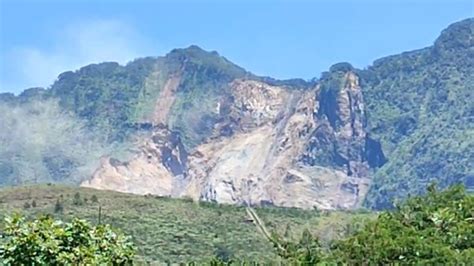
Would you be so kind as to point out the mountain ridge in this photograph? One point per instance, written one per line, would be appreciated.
(347, 139)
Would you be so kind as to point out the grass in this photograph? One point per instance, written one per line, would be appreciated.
(179, 230)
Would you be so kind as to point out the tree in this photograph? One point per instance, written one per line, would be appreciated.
(45, 241)
(94, 199)
(77, 200)
(434, 229)
(437, 228)
(58, 207)
(307, 251)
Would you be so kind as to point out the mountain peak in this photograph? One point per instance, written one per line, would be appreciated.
(194, 55)
(193, 48)
(341, 67)
(192, 52)
(457, 36)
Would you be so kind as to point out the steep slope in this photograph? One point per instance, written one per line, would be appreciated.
(193, 124)
(420, 105)
(260, 150)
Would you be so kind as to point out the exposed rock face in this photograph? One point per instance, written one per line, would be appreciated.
(158, 168)
(340, 136)
(166, 100)
(339, 142)
(267, 147)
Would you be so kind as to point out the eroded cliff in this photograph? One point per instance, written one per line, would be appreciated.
(266, 146)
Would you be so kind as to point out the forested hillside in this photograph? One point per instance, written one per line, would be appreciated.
(420, 106)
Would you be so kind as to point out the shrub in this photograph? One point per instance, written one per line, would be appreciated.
(45, 241)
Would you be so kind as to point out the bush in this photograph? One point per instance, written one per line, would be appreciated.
(223, 253)
(50, 242)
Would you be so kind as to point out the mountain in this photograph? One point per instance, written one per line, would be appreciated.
(420, 107)
(193, 124)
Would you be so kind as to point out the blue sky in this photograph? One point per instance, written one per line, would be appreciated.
(282, 39)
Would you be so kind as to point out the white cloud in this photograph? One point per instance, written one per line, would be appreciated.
(78, 44)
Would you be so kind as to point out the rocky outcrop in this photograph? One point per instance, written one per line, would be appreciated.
(339, 139)
(157, 168)
(268, 146)
(270, 127)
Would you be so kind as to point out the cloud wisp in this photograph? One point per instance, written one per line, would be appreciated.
(74, 46)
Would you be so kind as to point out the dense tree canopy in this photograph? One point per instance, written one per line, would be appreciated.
(434, 229)
(48, 242)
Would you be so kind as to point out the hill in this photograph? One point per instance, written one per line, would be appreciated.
(177, 230)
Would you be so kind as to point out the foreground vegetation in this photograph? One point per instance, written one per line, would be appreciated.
(437, 228)
(173, 230)
(49, 242)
